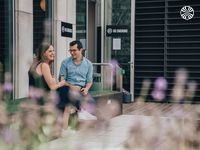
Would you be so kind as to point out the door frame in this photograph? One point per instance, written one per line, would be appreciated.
(132, 42)
(132, 65)
(103, 35)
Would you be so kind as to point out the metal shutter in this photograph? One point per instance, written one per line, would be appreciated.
(165, 42)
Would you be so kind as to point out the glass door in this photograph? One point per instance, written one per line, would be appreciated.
(117, 37)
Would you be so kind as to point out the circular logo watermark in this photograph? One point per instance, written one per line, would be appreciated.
(187, 12)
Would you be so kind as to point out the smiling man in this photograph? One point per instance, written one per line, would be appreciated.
(77, 71)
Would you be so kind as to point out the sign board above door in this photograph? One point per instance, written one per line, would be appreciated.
(117, 31)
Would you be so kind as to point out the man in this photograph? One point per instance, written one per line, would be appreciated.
(77, 71)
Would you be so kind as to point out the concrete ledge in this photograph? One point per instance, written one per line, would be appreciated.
(106, 97)
(101, 98)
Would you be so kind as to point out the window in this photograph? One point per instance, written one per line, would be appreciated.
(6, 38)
(81, 22)
(42, 22)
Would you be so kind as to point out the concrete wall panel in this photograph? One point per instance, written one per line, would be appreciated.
(24, 5)
(65, 11)
(24, 53)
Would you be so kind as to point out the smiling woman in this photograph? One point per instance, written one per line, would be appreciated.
(41, 78)
(40, 75)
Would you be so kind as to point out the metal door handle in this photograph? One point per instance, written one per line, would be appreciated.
(130, 62)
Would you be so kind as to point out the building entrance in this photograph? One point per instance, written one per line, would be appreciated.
(117, 38)
(104, 27)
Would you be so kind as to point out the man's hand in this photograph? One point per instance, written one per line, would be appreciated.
(84, 91)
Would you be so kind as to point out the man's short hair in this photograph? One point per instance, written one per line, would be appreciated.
(79, 44)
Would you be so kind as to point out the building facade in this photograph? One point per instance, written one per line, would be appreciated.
(25, 24)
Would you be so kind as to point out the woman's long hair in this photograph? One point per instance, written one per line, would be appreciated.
(44, 46)
(41, 50)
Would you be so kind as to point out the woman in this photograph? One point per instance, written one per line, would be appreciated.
(40, 76)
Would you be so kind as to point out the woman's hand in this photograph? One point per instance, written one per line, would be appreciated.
(62, 83)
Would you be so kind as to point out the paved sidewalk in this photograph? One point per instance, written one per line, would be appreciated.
(122, 131)
(105, 139)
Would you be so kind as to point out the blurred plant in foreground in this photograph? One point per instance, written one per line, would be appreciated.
(24, 124)
(31, 122)
(27, 125)
(177, 128)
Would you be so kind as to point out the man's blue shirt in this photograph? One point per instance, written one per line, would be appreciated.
(77, 74)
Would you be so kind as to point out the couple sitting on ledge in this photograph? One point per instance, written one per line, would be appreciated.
(75, 79)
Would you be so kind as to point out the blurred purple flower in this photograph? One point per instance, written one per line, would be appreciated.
(8, 87)
(89, 104)
(35, 93)
(160, 87)
(114, 63)
(160, 83)
(90, 107)
(158, 95)
(54, 97)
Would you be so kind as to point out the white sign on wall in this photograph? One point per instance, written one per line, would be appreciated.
(116, 43)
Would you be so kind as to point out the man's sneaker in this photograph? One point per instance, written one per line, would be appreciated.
(84, 115)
